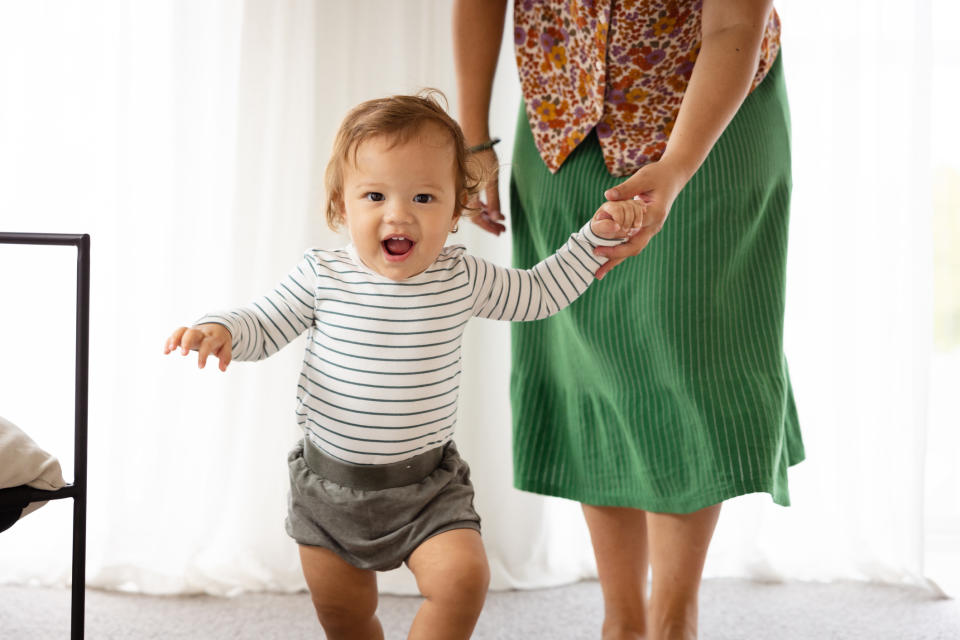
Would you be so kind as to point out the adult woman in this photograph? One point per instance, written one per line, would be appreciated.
(664, 391)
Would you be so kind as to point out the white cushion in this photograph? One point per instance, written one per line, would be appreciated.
(23, 462)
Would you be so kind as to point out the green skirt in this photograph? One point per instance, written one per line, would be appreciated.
(664, 387)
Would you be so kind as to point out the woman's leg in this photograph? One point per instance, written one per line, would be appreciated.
(345, 597)
(678, 548)
(452, 574)
(619, 537)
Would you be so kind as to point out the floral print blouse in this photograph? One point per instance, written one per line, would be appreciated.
(620, 66)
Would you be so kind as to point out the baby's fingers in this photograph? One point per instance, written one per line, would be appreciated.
(607, 211)
(224, 354)
(621, 213)
(208, 346)
(191, 341)
(174, 340)
(628, 214)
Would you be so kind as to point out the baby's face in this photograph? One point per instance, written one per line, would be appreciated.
(400, 201)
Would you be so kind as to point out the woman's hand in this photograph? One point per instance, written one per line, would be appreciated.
(485, 211)
(657, 184)
(207, 339)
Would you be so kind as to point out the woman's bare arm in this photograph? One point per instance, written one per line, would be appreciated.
(477, 33)
(732, 31)
(726, 65)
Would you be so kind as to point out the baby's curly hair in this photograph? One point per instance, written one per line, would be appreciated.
(400, 117)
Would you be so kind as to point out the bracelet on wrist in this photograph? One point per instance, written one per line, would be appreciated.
(483, 146)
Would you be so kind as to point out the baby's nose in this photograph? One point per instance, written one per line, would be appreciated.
(398, 212)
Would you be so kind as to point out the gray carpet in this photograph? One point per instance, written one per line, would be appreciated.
(729, 609)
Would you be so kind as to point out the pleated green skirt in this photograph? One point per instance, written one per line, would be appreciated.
(664, 387)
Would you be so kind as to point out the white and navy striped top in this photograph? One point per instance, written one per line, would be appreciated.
(381, 373)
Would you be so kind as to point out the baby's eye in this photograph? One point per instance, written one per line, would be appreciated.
(422, 198)
(374, 196)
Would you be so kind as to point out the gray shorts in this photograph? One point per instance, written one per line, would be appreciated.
(374, 516)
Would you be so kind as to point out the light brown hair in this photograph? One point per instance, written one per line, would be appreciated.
(399, 117)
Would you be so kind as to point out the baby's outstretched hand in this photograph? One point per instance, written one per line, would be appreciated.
(206, 339)
(618, 219)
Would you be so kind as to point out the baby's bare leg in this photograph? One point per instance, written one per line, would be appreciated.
(452, 574)
(345, 597)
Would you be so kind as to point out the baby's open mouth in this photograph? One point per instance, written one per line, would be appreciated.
(397, 245)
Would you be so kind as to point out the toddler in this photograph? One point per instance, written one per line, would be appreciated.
(377, 480)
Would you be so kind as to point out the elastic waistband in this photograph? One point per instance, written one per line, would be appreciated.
(372, 477)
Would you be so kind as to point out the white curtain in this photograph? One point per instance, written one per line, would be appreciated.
(873, 103)
(189, 139)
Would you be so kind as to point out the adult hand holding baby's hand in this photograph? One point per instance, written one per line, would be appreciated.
(620, 219)
(657, 185)
(206, 339)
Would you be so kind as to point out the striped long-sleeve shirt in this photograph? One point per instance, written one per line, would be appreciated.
(381, 373)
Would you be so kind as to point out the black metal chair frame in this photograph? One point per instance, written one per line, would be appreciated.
(78, 490)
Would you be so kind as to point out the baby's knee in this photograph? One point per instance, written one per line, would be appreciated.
(473, 580)
(463, 584)
(341, 615)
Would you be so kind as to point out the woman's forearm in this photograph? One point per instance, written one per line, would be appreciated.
(477, 33)
(726, 65)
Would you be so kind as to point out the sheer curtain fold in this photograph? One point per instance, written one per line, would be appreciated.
(190, 140)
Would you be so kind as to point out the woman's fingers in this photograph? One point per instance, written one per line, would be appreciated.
(617, 254)
(607, 266)
(631, 247)
(484, 221)
(487, 215)
(491, 213)
(628, 248)
(492, 196)
(494, 227)
(626, 190)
